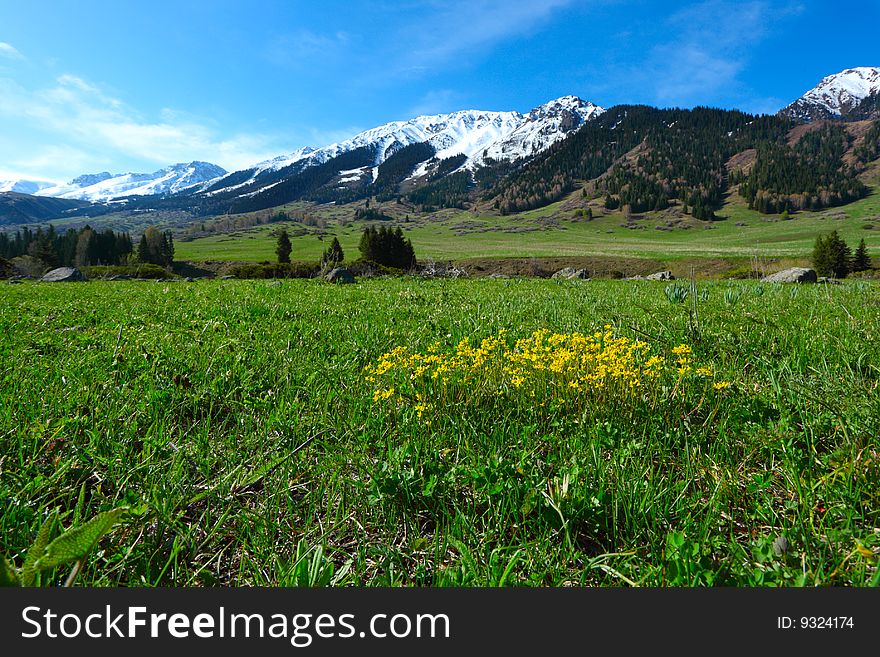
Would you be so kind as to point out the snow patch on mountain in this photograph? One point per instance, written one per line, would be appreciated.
(352, 175)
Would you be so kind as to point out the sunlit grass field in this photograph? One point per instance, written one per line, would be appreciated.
(743, 233)
(248, 428)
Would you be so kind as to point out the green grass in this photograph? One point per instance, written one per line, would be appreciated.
(237, 418)
(762, 236)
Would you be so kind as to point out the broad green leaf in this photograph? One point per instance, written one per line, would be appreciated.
(7, 573)
(37, 550)
(74, 544)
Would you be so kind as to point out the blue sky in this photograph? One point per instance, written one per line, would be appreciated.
(124, 86)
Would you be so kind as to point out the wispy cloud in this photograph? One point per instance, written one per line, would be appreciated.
(85, 127)
(704, 50)
(463, 27)
(304, 48)
(417, 39)
(710, 50)
(8, 50)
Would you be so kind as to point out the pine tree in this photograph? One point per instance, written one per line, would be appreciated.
(333, 255)
(143, 253)
(841, 256)
(832, 256)
(368, 245)
(167, 249)
(861, 260)
(284, 247)
(43, 249)
(822, 256)
(387, 247)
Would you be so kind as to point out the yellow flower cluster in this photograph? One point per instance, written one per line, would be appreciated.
(565, 367)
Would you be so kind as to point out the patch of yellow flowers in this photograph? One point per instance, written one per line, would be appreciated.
(567, 368)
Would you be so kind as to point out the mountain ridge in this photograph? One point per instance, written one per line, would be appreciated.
(474, 133)
(104, 186)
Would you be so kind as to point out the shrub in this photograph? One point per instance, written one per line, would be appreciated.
(280, 270)
(29, 266)
(365, 268)
(140, 270)
(742, 273)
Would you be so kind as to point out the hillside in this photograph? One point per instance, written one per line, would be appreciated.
(16, 208)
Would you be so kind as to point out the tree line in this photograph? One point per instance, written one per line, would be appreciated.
(72, 248)
(382, 246)
(88, 247)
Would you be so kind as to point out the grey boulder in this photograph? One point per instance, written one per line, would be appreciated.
(64, 275)
(792, 275)
(570, 273)
(339, 275)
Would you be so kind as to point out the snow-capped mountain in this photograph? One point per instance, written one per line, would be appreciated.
(475, 134)
(105, 186)
(24, 186)
(836, 96)
(542, 127)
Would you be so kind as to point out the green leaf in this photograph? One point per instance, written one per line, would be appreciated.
(38, 549)
(76, 543)
(7, 573)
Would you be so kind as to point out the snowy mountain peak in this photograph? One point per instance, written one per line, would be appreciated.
(542, 127)
(572, 104)
(836, 95)
(88, 179)
(105, 186)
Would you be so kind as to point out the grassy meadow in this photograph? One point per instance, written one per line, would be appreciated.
(261, 435)
(555, 230)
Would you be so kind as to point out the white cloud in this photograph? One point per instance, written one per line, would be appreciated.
(8, 50)
(82, 128)
(466, 26)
